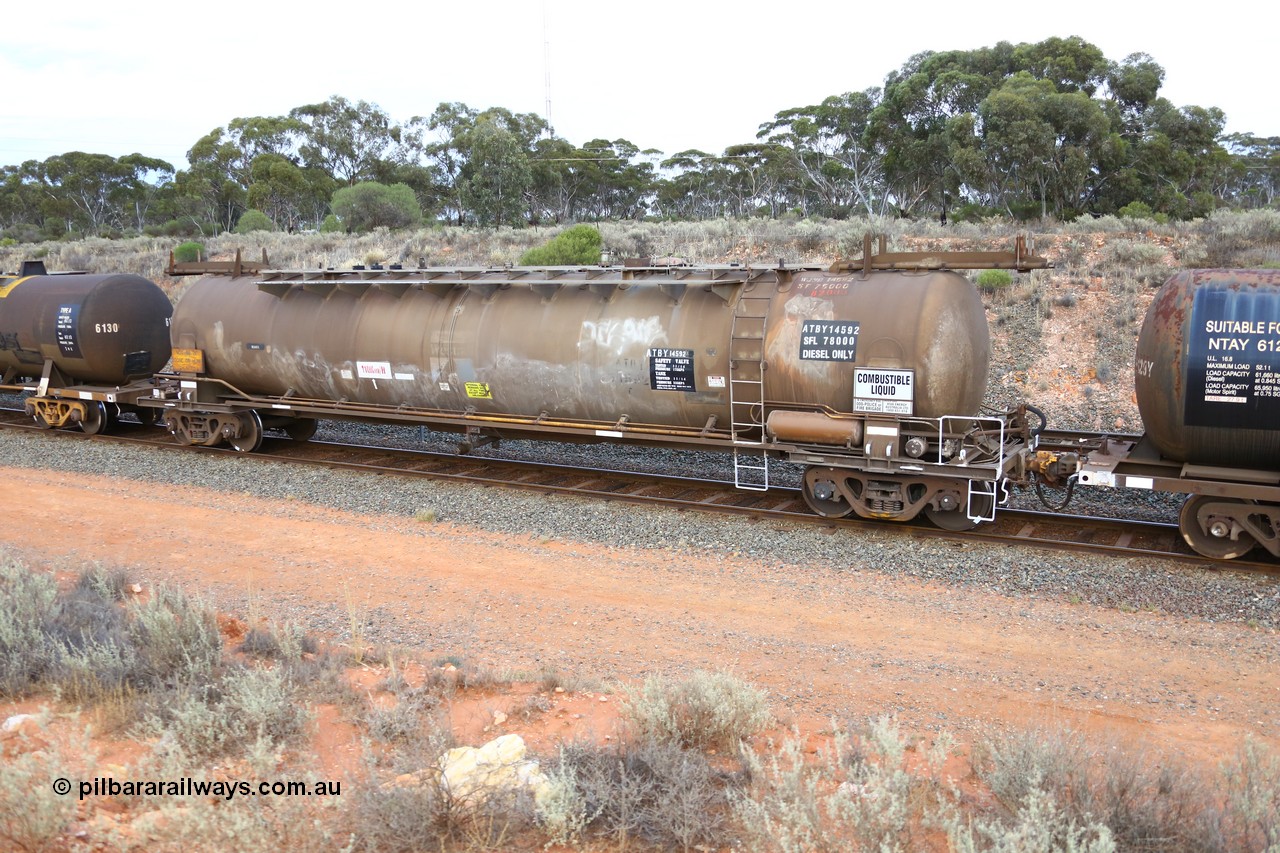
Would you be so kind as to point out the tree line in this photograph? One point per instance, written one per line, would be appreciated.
(1046, 130)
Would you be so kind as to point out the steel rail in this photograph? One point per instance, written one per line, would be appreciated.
(1085, 534)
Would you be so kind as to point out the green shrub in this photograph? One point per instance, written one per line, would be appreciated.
(1136, 210)
(331, 225)
(254, 220)
(189, 252)
(577, 245)
(989, 281)
(710, 709)
(370, 205)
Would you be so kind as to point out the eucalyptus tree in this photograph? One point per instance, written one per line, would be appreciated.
(1256, 169)
(1041, 146)
(829, 144)
(690, 189)
(347, 140)
(620, 179)
(291, 195)
(216, 185)
(97, 191)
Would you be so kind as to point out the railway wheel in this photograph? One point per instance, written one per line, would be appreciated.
(250, 438)
(822, 496)
(179, 425)
(301, 429)
(1209, 535)
(146, 416)
(955, 519)
(40, 421)
(96, 419)
(952, 516)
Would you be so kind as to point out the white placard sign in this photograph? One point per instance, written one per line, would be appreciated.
(890, 392)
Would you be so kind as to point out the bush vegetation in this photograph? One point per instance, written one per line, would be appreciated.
(989, 281)
(369, 205)
(691, 773)
(1240, 239)
(189, 252)
(707, 710)
(577, 245)
(254, 220)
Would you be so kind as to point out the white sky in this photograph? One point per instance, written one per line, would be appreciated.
(116, 78)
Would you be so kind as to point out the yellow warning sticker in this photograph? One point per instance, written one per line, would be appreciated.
(479, 390)
(188, 360)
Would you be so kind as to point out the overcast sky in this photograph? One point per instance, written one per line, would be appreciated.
(154, 77)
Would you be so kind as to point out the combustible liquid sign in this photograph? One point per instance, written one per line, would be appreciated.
(891, 392)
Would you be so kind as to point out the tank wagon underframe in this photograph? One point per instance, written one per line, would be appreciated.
(962, 475)
(1229, 511)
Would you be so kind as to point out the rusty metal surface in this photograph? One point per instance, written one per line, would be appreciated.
(236, 267)
(1207, 371)
(650, 345)
(815, 428)
(95, 328)
(1020, 259)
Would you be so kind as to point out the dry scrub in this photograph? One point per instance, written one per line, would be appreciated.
(694, 770)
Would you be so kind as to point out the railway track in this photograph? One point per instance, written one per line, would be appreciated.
(1091, 534)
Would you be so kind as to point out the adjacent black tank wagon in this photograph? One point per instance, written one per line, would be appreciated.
(81, 343)
(1207, 380)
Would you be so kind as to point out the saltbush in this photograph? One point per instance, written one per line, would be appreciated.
(228, 715)
(659, 792)
(709, 709)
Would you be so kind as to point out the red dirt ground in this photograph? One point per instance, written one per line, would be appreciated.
(822, 642)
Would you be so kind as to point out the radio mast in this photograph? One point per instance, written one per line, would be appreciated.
(546, 68)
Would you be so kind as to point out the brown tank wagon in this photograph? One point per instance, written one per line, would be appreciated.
(870, 373)
(80, 343)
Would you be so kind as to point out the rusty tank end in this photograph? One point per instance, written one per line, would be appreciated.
(1207, 372)
(105, 329)
(648, 345)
